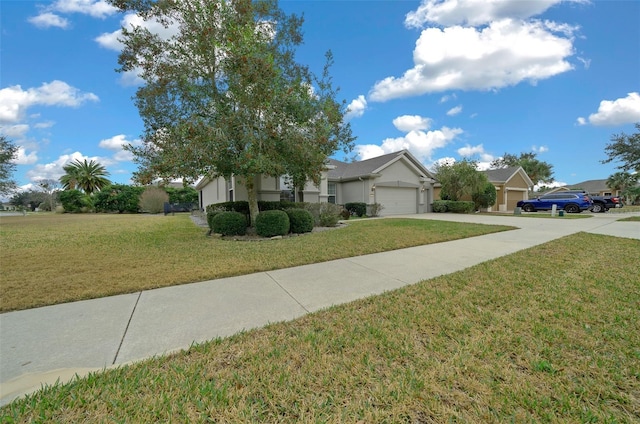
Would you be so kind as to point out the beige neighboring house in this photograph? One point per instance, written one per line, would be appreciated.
(397, 181)
(512, 185)
(593, 187)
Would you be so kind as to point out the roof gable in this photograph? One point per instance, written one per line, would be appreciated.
(370, 167)
(503, 175)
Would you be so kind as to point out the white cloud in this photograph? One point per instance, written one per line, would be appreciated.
(448, 97)
(45, 124)
(117, 143)
(540, 149)
(420, 143)
(474, 12)
(625, 110)
(48, 20)
(408, 123)
(94, 8)
(483, 158)
(14, 131)
(24, 158)
(356, 108)
(504, 53)
(454, 111)
(14, 101)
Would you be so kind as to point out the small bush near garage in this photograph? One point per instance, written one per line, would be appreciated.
(345, 214)
(300, 221)
(461, 207)
(356, 208)
(272, 223)
(453, 206)
(375, 209)
(229, 223)
(324, 214)
(440, 206)
(210, 216)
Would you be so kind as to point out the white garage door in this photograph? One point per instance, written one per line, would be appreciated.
(397, 200)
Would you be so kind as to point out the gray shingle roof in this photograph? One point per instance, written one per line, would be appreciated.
(364, 168)
(501, 175)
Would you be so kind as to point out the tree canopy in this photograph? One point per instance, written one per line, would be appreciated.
(224, 95)
(459, 179)
(8, 152)
(86, 176)
(626, 149)
(537, 170)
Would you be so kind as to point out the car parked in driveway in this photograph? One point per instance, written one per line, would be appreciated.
(569, 202)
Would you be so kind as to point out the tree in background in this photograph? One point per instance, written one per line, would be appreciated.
(224, 96)
(30, 199)
(626, 149)
(8, 152)
(459, 179)
(86, 176)
(538, 171)
(625, 183)
(50, 188)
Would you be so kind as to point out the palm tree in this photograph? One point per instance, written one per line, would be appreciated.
(86, 176)
(622, 181)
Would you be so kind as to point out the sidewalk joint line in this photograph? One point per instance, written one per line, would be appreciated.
(126, 329)
(287, 292)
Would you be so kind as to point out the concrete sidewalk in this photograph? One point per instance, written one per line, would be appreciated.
(39, 346)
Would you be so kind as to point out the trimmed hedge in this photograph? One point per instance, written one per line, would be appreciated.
(229, 223)
(356, 208)
(272, 223)
(453, 206)
(210, 216)
(301, 221)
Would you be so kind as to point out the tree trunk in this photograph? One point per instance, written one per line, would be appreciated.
(253, 198)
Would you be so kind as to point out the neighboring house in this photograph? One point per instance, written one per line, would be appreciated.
(397, 181)
(593, 187)
(512, 185)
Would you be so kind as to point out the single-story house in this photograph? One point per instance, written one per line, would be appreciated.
(512, 185)
(397, 181)
(593, 187)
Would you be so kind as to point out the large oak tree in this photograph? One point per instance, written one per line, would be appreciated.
(224, 95)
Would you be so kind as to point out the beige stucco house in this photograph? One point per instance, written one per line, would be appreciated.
(397, 181)
(512, 185)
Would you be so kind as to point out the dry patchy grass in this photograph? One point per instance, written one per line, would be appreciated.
(559, 343)
(51, 258)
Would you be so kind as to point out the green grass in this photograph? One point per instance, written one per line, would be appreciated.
(52, 258)
(492, 343)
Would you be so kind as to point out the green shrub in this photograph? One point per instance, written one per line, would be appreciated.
(210, 216)
(75, 201)
(182, 195)
(356, 208)
(486, 197)
(272, 223)
(152, 200)
(118, 198)
(461, 207)
(241, 206)
(440, 206)
(300, 220)
(229, 223)
(375, 209)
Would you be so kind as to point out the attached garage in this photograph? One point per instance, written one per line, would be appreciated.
(397, 200)
(513, 197)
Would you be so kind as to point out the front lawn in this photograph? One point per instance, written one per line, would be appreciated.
(52, 258)
(558, 342)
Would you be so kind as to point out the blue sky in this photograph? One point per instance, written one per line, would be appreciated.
(441, 78)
